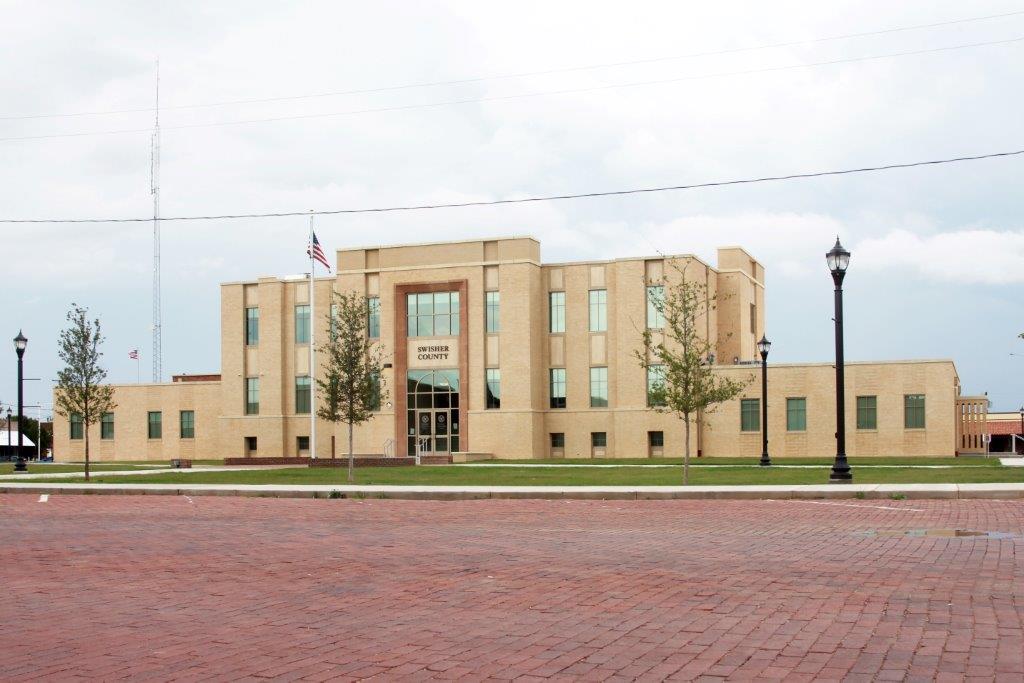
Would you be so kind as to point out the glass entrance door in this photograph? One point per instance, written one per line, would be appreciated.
(433, 418)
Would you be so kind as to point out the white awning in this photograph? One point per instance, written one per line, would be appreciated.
(25, 441)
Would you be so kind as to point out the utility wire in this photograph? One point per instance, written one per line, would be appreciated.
(524, 74)
(499, 98)
(525, 200)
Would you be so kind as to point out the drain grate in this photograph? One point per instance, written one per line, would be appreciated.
(941, 533)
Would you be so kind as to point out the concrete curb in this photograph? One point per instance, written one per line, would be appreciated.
(1014, 491)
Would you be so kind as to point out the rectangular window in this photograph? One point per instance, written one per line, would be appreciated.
(187, 424)
(334, 321)
(252, 395)
(372, 317)
(155, 424)
(655, 386)
(75, 423)
(433, 314)
(558, 439)
(493, 312)
(598, 387)
(753, 319)
(107, 426)
(655, 307)
(656, 439)
(375, 391)
(750, 415)
(302, 324)
(867, 412)
(252, 326)
(599, 310)
(913, 411)
(493, 388)
(557, 387)
(599, 439)
(556, 312)
(302, 443)
(796, 414)
(302, 395)
(250, 445)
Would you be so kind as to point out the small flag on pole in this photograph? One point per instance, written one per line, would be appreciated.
(317, 253)
(134, 354)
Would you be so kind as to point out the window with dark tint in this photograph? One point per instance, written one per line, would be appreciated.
(107, 426)
(252, 395)
(303, 443)
(250, 444)
(558, 439)
(656, 439)
(599, 439)
(867, 412)
(598, 387)
(796, 414)
(75, 424)
(913, 411)
(493, 388)
(155, 425)
(187, 424)
(750, 415)
(557, 387)
(252, 326)
(302, 395)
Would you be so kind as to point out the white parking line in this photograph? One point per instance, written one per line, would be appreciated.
(43, 497)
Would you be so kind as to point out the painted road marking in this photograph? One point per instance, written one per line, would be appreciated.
(43, 497)
(856, 505)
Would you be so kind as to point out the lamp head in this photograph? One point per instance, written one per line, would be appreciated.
(763, 347)
(838, 258)
(20, 342)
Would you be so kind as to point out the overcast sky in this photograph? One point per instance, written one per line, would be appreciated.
(937, 251)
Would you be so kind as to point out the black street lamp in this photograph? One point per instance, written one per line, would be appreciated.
(838, 259)
(763, 347)
(20, 342)
(9, 444)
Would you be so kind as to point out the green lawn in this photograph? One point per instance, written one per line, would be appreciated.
(824, 461)
(41, 467)
(970, 472)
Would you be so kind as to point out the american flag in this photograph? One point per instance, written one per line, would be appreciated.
(318, 253)
(134, 354)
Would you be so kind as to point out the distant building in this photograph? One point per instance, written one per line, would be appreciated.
(494, 352)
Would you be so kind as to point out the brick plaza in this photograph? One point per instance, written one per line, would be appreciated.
(217, 588)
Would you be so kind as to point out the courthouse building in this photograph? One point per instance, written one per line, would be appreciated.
(493, 353)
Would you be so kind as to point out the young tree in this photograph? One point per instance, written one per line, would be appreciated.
(353, 384)
(80, 390)
(687, 384)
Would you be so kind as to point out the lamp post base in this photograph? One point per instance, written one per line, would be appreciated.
(840, 477)
(765, 460)
(20, 465)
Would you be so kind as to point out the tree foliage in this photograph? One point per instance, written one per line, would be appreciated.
(80, 390)
(352, 387)
(687, 383)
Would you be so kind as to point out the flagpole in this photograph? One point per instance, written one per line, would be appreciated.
(312, 346)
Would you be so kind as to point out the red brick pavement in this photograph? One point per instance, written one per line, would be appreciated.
(167, 588)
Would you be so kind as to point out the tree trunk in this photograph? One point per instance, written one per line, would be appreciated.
(686, 456)
(351, 457)
(85, 428)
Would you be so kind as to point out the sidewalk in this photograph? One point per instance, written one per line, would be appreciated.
(1013, 491)
(138, 471)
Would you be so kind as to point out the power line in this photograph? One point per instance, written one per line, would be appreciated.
(499, 98)
(525, 200)
(524, 74)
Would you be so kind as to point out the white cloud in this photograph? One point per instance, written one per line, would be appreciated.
(967, 256)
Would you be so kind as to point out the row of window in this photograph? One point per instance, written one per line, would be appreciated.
(154, 425)
(437, 314)
(302, 322)
(867, 413)
(599, 386)
(303, 395)
(655, 440)
(598, 308)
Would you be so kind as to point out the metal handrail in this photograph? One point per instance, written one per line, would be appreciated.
(389, 448)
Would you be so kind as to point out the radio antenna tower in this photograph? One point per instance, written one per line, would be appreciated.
(154, 189)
